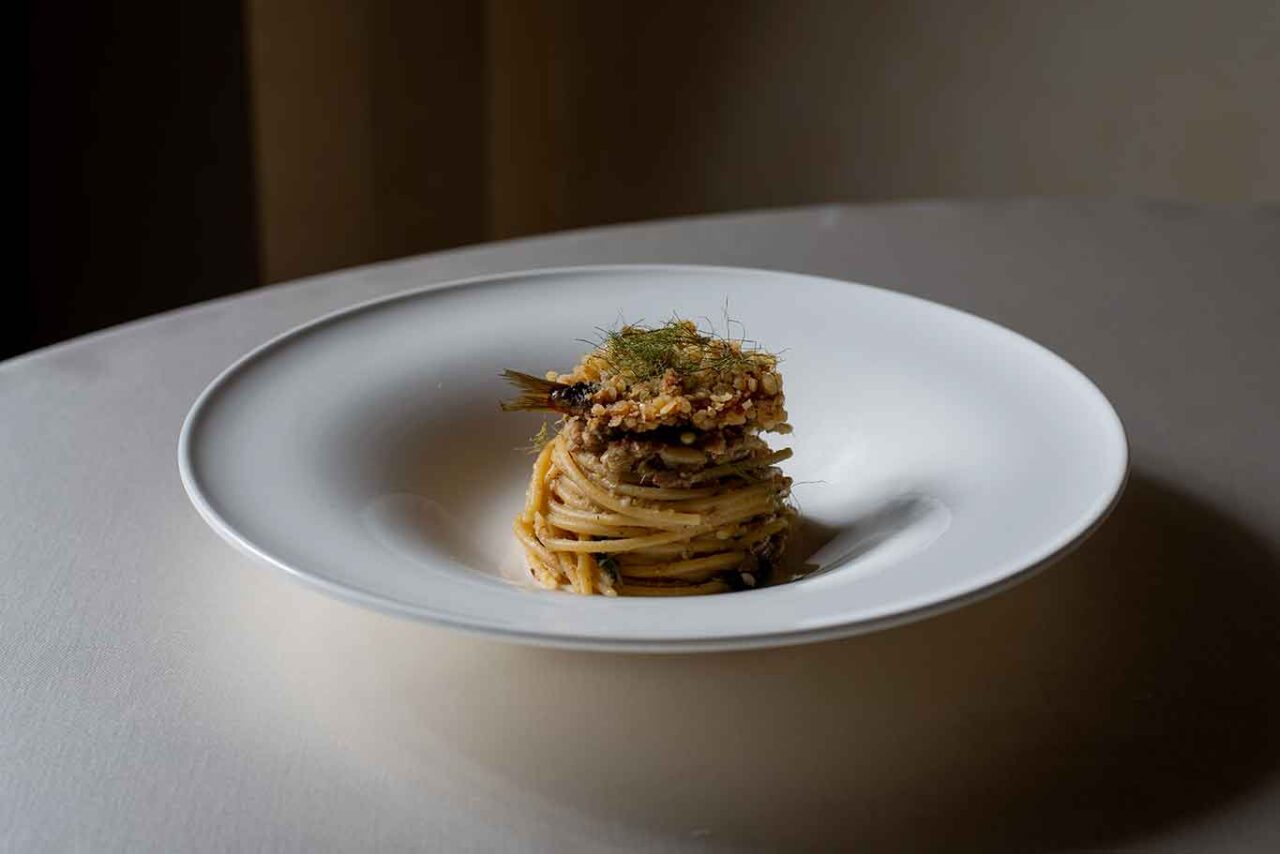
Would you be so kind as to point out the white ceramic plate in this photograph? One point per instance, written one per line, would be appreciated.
(938, 456)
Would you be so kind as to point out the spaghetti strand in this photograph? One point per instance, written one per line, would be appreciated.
(583, 531)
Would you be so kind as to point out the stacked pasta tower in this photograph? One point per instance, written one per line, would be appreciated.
(656, 481)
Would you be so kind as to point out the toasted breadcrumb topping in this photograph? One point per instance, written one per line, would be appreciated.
(675, 376)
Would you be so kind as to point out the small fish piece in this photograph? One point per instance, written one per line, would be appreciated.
(537, 394)
(640, 379)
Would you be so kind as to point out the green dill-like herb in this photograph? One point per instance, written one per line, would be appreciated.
(539, 440)
(640, 352)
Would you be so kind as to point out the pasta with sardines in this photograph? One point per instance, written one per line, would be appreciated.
(656, 481)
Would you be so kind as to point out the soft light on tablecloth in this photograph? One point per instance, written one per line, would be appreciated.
(160, 691)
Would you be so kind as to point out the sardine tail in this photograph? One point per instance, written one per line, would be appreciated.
(535, 392)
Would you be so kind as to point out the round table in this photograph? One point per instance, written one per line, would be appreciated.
(161, 691)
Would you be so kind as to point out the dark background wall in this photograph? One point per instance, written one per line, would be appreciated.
(182, 151)
(369, 129)
(139, 170)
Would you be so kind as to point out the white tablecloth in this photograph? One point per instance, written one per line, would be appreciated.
(160, 691)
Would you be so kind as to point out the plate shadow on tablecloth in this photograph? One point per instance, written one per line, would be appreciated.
(1133, 685)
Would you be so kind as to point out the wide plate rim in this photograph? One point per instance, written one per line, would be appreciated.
(1053, 551)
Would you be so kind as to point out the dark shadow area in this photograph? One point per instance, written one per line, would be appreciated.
(139, 170)
(818, 548)
(1132, 686)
